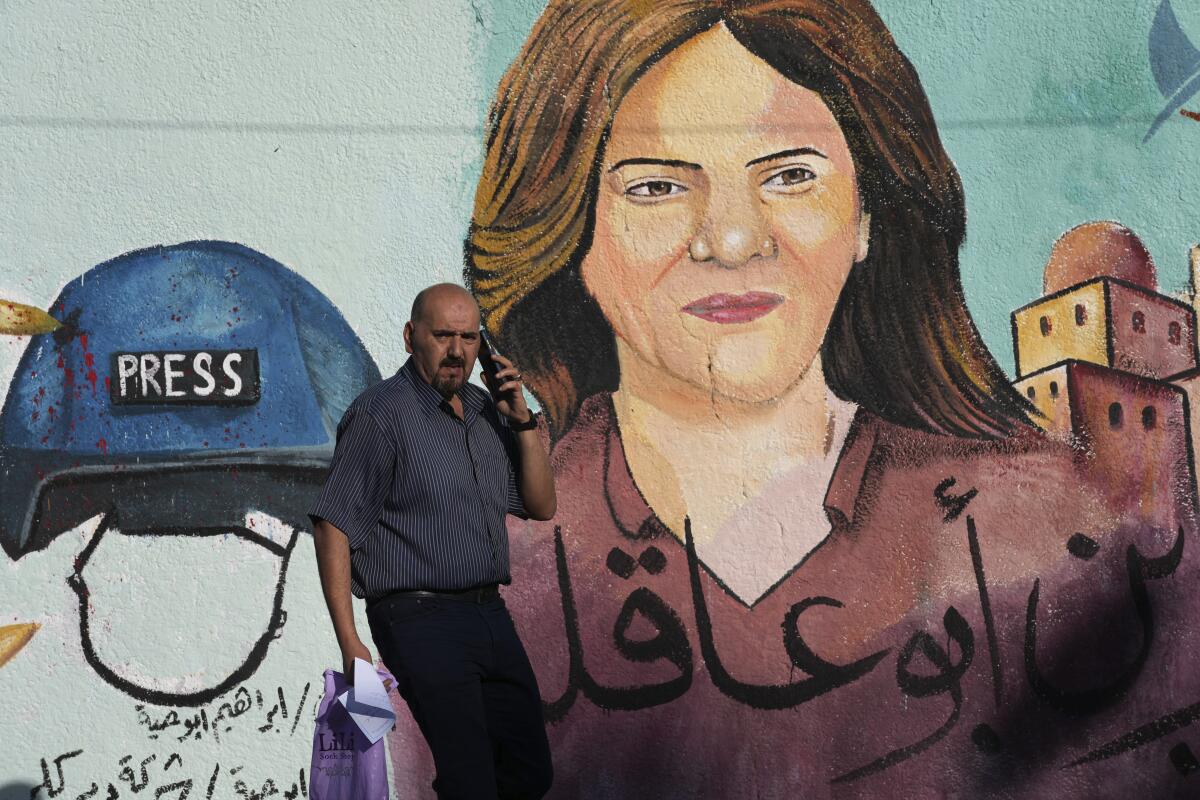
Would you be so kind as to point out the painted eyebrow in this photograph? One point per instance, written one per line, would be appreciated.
(662, 162)
(799, 151)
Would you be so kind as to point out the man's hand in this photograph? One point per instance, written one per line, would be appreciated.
(349, 653)
(506, 390)
(535, 480)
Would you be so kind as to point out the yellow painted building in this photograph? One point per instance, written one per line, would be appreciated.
(1068, 325)
(1108, 322)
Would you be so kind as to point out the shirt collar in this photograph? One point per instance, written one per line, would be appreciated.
(635, 519)
(430, 399)
(846, 483)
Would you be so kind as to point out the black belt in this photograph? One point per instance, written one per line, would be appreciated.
(479, 594)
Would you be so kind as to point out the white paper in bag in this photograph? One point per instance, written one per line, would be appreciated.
(367, 702)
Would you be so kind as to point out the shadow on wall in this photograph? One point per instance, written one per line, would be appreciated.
(16, 791)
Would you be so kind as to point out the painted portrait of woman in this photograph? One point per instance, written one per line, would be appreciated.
(728, 229)
(722, 238)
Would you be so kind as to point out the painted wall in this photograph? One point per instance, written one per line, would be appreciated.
(161, 624)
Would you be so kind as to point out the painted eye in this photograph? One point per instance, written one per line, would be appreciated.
(655, 189)
(793, 176)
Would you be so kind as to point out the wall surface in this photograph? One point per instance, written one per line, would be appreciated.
(721, 471)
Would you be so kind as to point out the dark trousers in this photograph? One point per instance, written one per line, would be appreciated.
(465, 676)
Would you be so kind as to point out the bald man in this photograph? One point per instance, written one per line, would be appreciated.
(412, 518)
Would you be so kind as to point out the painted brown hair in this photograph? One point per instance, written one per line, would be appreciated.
(900, 343)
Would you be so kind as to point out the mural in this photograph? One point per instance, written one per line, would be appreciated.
(847, 508)
(806, 509)
(190, 427)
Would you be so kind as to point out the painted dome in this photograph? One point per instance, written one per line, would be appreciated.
(1099, 250)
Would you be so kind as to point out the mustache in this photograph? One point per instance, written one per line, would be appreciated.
(452, 361)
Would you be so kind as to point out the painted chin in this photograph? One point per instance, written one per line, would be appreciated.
(730, 309)
(755, 369)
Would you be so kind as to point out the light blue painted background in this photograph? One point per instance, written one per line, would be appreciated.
(344, 140)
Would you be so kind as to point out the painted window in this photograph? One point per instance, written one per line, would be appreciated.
(1174, 333)
(1149, 417)
(1054, 388)
(1030, 392)
(1046, 326)
(1115, 415)
(1139, 322)
(1080, 314)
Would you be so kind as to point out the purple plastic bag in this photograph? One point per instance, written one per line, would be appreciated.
(345, 765)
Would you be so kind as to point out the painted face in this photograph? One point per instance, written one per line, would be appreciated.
(445, 342)
(727, 220)
(163, 636)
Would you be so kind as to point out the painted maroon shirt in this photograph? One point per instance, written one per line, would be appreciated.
(871, 669)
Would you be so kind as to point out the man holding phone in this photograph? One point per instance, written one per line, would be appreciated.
(411, 518)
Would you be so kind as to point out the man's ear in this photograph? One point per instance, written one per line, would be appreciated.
(408, 332)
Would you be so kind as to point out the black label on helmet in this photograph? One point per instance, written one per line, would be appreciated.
(185, 377)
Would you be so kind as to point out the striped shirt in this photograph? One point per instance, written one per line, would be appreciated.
(421, 494)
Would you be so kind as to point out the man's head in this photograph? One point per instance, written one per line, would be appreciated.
(442, 334)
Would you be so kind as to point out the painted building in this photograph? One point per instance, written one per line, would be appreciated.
(1098, 356)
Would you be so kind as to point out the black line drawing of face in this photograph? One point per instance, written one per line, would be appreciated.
(103, 654)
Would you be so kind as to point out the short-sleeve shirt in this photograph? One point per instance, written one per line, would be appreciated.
(421, 494)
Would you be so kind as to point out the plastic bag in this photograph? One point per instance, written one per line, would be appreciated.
(345, 765)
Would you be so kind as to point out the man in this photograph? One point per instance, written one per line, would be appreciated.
(412, 518)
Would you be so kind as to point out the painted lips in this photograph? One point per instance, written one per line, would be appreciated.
(730, 308)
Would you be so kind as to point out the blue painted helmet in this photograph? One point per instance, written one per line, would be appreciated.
(187, 385)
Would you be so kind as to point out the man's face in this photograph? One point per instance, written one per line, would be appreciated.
(445, 341)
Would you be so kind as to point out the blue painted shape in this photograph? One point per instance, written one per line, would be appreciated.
(58, 420)
(1175, 63)
(1173, 57)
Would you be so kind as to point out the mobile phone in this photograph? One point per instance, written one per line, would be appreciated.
(488, 364)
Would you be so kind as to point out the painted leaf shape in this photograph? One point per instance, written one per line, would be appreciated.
(15, 637)
(18, 319)
(1173, 58)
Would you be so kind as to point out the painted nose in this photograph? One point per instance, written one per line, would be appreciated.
(732, 235)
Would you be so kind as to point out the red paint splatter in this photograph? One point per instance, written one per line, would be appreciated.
(41, 391)
(102, 445)
(60, 364)
(91, 376)
(1190, 114)
(34, 417)
(83, 341)
(107, 383)
(89, 359)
